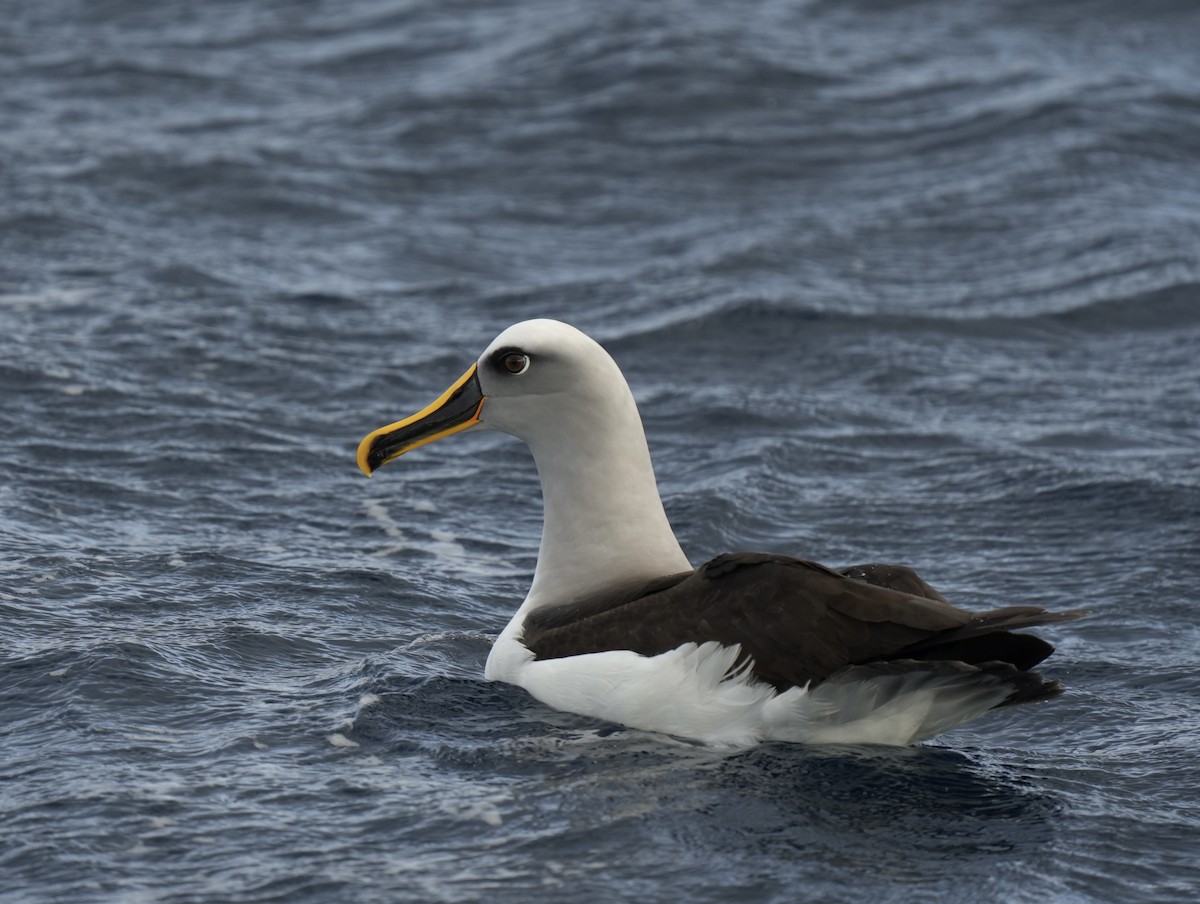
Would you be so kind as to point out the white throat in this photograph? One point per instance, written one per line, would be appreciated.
(604, 520)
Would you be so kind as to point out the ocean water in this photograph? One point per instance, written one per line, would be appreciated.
(912, 282)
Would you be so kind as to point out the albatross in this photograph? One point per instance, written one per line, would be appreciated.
(748, 647)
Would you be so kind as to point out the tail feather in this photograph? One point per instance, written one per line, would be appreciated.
(1023, 651)
(906, 701)
(987, 637)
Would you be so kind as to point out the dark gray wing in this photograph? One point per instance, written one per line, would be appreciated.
(795, 620)
(894, 577)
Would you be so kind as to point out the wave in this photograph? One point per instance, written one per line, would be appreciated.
(741, 315)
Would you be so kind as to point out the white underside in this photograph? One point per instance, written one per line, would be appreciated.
(694, 692)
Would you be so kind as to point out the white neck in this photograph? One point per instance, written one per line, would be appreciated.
(604, 520)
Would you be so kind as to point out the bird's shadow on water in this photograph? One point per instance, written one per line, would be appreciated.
(903, 804)
(845, 816)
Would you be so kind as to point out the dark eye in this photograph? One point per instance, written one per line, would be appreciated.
(516, 363)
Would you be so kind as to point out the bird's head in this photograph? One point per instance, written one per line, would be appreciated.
(537, 379)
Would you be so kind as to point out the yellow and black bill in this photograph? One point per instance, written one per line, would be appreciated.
(455, 410)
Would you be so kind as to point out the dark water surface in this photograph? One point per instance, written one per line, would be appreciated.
(912, 282)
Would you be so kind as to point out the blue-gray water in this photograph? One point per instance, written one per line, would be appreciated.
(913, 282)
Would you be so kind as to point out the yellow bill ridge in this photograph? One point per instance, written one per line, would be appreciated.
(455, 410)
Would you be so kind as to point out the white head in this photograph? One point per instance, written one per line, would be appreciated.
(538, 380)
(545, 381)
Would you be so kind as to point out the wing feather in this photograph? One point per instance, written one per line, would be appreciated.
(796, 621)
